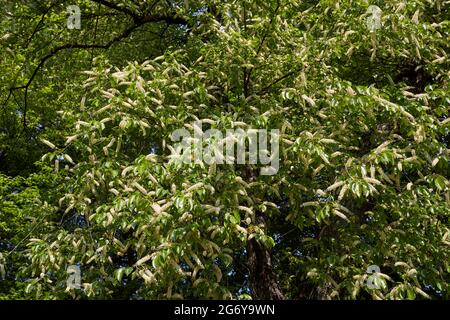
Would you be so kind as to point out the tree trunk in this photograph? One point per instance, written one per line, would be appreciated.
(263, 281)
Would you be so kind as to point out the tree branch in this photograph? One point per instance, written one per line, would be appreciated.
(248, 74)
(278, 80)
(139, 21)
(117, 7)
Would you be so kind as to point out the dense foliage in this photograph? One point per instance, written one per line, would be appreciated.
(86, 176)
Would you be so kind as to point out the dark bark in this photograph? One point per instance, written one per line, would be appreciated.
(263, 281)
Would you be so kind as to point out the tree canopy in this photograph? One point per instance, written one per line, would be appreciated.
(86, 177)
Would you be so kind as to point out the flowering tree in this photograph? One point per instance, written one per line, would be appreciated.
(360, 99)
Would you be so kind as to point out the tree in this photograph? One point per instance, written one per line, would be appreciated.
(21, 202)
(364, 156)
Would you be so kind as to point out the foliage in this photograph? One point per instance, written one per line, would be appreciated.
(364, 152)
(21, 203)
